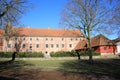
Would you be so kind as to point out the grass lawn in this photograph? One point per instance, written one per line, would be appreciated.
(107, 67)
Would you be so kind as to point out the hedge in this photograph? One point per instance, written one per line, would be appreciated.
(71, 54)
(52, 54)
(86, 53)
(6, 54)
(62, 54)
(22, 54)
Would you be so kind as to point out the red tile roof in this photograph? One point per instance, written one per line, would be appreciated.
(100, 40)
(96, 41)
(81, 45)
(36, 32)
(116, 40)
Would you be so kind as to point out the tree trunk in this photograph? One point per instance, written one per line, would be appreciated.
(78, 55)
(14, 56)
(7, 46)
(89, 45)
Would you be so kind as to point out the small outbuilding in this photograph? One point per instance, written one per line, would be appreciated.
(99, 44)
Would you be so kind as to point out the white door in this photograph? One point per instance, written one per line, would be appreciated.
(118, 47)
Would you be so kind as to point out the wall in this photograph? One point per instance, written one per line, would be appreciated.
(42, 41)
(108, 49)
(118, 47)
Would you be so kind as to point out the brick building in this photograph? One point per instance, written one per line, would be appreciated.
(45, 40)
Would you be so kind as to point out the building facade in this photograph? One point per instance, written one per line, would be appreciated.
(117, 41)
(45, 40)
(100, 44)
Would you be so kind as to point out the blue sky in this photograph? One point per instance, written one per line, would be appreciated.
(44, 14)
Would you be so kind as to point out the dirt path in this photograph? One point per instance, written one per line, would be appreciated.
(45, 75)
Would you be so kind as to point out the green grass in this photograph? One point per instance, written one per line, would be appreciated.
(46, 64)
(109, 67)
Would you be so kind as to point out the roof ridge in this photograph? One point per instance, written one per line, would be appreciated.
(50, 32)
(52, 29)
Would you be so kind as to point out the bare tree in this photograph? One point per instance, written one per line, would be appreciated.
(10, 13)
(89, 16)
(11, 10)
(17, 41)
(7, 34)
(116, 17)
(14, 35)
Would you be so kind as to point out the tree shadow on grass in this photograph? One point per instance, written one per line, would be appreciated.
(107, 67)
(4, 65)
(6, 78)
(10, 69)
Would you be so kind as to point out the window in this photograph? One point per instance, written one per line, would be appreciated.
(57, 45)
(105, 48)
(23, 38)
(46, 39)
(9, 45)
(30, 39)
(81, 39)
(37, 45)
(51, 39)
(62, 39)
(71, 39)
(15, 46)
(52, 45)
(15, 38)
(23, 45)
(46, 45)
(62, 45)
(76, 39)
(30, 46)
(37, 39)
(46, 52)
(70, 45)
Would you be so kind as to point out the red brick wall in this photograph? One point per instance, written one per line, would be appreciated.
(105, 49)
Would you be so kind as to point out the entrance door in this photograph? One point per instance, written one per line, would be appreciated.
(118, 47)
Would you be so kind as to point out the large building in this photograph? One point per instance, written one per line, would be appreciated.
(45, 40)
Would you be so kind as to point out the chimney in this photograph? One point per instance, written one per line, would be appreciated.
(64, 28)
(28, 26)
(48, 27)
